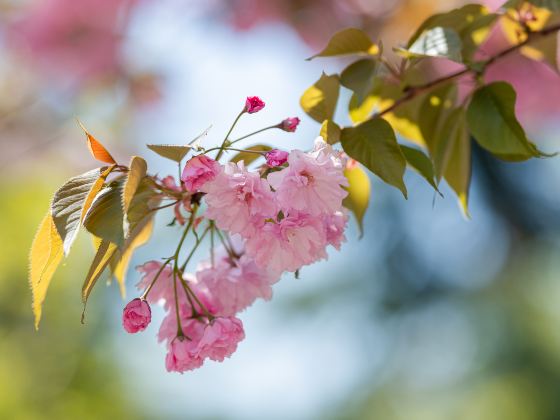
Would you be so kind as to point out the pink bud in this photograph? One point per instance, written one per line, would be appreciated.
(199, 170)
(290, 124)
(136, 316)
(276, 157)
(253, 104)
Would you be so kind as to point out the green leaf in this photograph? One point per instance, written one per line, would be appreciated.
(173, 152)
(249, 158)
(491, 119)
(421, 163)
(452, 156)
(348, 41)
(359, 77)
(319, 101)
(359, 188)
(436, 42)
(105, 217)
(373, 143)
(330, 131)
(44, 258)
(68, 203)
(435, 108)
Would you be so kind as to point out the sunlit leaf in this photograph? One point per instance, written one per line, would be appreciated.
(359, 77)
(44, 258)
(96, 149)
(330, 131)
(170, 151)
(102, 257)
(361, 111)
(119, 266)
(105, 217)
(373, 143)
(348, 41)
(436, 42)
(319, 101)
(68, 203)
(137, 172)
(141, 207)
(95, 190)
(492, 121)
(359, 189)
(248, 157)
(471, 22)
(421, 163)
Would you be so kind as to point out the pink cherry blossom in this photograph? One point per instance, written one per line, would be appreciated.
(276, 158)
(199, 170)
(183, 351)
(290, 124)
(233, 284)
(335, 224)
(162, 291)
(136, 316)
(239, 201)
(311, 183)
(253, 104)
(220, 338)
(297, 240)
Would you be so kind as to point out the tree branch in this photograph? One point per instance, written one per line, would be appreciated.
(413, 91)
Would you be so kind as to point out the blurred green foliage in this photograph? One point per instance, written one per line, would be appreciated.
(65, 369)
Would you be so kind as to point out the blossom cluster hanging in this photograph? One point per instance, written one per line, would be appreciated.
(260, 221)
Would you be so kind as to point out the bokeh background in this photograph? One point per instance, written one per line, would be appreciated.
(429, 316)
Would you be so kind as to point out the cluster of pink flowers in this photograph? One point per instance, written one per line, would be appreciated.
(275, 219)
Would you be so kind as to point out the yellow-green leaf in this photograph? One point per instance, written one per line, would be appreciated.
(249, 157)
(330, 131)
(373, 144)
(319, 101)
(492, 121)
(102, 257)
(421, 163)
(435, 42)
(44, 258)
(348, 41)
(359, 188)
(170, 151)
(359, 77)
(141, 207)
(95, 190)
(119, 266)
(137, 172)
(105, 217)
(453, 156)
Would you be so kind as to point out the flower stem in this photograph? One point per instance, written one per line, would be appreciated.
(221, 151)
(254, 132)
(147, 291)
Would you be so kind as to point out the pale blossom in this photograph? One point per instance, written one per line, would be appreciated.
(287, 245)
(233, 284)
(162, 290)
(239, 201)
(335, 224)
(199, 170)
(312, 183)
(220, 338)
